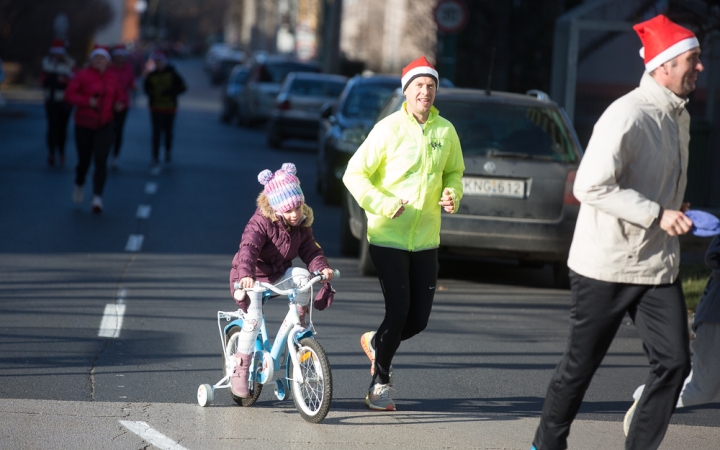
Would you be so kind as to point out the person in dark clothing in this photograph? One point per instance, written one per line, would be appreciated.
(125, 75)
(162, 86)
(57, 70)
(96, 93)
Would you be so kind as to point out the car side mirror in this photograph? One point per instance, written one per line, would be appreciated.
(327, 110)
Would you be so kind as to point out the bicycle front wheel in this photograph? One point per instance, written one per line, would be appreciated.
(313, 395)
(254, 387)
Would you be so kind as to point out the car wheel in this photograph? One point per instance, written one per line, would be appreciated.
(318, 182)
(349, 245)
(319, 174)
(561, 275)
(365, 265)
(273, 138)
(225, 116)
(331, 191)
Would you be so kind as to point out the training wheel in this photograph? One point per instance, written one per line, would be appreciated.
(205, 395)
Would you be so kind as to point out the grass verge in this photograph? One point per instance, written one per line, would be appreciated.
(694, 278)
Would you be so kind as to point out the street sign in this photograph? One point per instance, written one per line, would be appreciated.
(450, 16)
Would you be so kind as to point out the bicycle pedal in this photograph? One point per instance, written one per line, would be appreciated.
(280, 389)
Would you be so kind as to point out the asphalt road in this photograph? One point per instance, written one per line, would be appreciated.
(475, 378)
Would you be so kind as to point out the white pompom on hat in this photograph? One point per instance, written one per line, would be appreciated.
(119, 50)
(418, 68)
(663, 40)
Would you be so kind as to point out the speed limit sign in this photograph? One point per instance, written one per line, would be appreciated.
(450, 16)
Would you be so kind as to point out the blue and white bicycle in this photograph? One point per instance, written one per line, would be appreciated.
(307, 370)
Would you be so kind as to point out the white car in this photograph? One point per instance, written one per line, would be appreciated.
(297, 111)
(267, 74)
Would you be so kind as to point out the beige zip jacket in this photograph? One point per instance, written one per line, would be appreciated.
(636, 163)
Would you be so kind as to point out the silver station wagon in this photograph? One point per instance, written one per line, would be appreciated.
(521, 156)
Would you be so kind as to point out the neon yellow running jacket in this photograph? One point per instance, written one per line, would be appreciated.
(401, 160)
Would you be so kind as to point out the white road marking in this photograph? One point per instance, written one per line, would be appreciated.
(143, 211)
(112, 320)
(134, 243)
(150, 188)
(151, 435)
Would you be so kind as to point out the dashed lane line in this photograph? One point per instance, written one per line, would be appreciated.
(151, 435)
(143, 211)
(111, 322)
(134, 243)
(151, 188)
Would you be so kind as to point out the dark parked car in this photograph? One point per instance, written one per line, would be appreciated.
(521, 156)
(344, 126)
(266, 76)
(220, 70)
(232, 90)
(297, 111)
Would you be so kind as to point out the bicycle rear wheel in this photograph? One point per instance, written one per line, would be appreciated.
(312, 397)
(255, 388)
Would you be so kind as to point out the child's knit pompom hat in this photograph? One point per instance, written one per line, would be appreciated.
(282, 188)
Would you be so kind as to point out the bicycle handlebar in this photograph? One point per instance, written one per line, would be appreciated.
(306, 287)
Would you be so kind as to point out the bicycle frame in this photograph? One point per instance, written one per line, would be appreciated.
(311, 368)
(288, 336)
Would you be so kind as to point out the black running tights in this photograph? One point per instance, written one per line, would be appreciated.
(408, 282)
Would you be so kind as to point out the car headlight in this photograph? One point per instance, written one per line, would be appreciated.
(350, 139)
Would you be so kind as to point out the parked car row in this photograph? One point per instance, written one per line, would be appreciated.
(521, 155)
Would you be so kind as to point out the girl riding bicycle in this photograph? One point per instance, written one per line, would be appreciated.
(278, 232)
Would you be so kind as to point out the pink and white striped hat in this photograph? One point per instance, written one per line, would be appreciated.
(282, 188)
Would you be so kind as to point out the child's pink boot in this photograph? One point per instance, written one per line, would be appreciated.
(239, 379)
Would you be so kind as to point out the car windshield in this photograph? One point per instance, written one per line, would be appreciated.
(507, 130)
(365, 100)
(317, 88)
(240, 76)
(276, 72)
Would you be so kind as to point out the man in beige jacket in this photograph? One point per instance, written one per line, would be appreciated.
(625, 253)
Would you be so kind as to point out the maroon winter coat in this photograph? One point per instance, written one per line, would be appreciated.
(268, 246)
(89, 83)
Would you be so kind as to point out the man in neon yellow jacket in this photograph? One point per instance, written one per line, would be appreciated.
(407, 170)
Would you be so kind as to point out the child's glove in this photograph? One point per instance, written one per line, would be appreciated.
(242, 300)
(324, 298)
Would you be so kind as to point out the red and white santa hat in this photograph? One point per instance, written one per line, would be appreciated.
(418, 68)
(100, 50)
(663, 40)
(119, 50)
(57, 47)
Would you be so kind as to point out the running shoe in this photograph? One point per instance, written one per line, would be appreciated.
(629, 417)
(77, 194)
(366, 343)
(378, 398)
(97, 205)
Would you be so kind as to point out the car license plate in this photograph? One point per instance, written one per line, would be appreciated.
(494, 187)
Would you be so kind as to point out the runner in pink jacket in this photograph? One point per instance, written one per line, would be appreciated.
(96, 93)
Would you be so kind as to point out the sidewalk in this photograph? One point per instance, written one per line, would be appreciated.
(274, 425)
